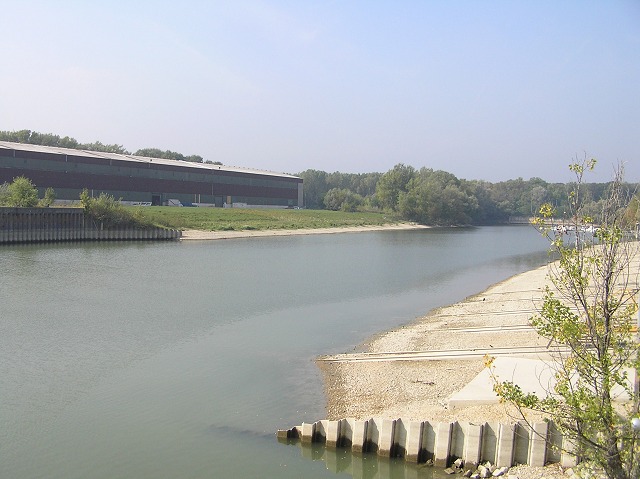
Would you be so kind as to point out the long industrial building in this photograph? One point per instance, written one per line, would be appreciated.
(146, 180)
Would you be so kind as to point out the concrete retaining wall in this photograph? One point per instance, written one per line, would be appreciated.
(35, 225)
(441, 443)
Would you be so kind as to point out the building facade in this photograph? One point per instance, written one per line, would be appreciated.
(146, 180)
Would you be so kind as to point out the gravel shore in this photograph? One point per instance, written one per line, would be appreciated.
(218, 235)
(419, 390)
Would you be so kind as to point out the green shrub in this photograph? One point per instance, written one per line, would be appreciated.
(48, 199)
(20, 193)
(107, 212)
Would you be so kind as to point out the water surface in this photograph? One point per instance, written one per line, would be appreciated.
(173, 359)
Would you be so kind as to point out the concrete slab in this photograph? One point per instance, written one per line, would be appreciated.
(532, 375)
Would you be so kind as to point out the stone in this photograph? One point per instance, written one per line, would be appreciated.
(458, 463)
(501, 471)
(449, 470)
(467, 473)
(484, 472)
(474, 476)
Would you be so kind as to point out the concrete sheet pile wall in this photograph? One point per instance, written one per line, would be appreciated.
(441, 443)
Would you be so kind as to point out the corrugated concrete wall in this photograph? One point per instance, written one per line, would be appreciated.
(35, 225)
(442, 443)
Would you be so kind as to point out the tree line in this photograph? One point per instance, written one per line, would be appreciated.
(436, 197)
(49, 139)
(424, 195)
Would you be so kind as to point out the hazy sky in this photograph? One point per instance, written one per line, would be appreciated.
(490, 90)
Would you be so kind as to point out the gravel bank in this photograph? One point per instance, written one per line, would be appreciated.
(419, 390)
(218, 235)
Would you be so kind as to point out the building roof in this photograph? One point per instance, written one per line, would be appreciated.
(26, 147)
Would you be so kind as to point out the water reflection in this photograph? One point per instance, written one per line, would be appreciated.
(364, 466)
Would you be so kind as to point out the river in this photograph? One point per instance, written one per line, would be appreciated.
(182, 359)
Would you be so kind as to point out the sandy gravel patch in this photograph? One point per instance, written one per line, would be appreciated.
(218, 235)
(419, 390)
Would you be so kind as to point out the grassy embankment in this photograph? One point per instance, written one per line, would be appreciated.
(238, 219)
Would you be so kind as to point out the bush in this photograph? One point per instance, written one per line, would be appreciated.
(338, 199)
(4, 194)
(48, 199)
(107, 212)
(20, 193)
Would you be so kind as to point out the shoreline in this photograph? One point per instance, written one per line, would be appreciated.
(419, 390)
(194, 235)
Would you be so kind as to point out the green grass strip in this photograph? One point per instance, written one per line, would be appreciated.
(239, 219)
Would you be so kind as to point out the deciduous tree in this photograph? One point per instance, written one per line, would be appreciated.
(338, 199)
(589, 315)
(392, 183)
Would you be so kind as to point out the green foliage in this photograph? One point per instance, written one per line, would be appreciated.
(424, 196)
(237, 219)
(107, 212)
(19, 193)
(49, 139)
(85, 200)
(631, 217)
(392, 184)
(35, 138)
(437, 198)
(315, 188)
(4, 194)
(22, 193)
(338, 199)
(318, 183)
(98, 146)
(48, 198)
(589, 314)
(167, 155)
